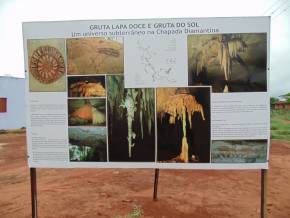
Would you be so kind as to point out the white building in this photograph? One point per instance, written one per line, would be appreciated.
(12, 102)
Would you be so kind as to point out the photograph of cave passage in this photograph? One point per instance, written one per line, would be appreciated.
(131, 122)
(183, 125)
(86, 86)
(86, 112)
(229, 62)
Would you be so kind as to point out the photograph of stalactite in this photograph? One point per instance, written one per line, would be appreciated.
(46, 62)
(86, 112)
(87, 144)
(228, 62)
(86, 86)
(95, 55)
(183, 125)
(239, 151)
(131, 126)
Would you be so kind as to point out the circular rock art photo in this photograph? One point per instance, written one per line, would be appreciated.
(47, 64)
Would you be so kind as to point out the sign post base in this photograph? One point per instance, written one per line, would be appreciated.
(33, 192)
(155, 184)
(264, 175)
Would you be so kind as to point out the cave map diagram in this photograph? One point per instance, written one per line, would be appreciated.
(151, 62)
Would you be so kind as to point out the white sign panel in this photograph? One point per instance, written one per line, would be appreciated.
(188, 93)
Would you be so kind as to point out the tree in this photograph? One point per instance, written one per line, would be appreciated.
(287, 97)
(273, 100)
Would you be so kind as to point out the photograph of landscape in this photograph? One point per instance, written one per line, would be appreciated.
(182, 115)
(87, 144)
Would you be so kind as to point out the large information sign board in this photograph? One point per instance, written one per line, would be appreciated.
(187, 93)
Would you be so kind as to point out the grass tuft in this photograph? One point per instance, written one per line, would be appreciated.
(280, 124)
(137, 212)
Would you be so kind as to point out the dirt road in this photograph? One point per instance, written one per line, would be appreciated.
(113, 192)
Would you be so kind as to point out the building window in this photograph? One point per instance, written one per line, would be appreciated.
(3, 105)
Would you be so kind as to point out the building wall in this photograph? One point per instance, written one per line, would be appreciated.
(282, 106)
(278, 106)
(14, 90)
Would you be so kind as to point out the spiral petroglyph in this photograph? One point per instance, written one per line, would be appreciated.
(47, 64)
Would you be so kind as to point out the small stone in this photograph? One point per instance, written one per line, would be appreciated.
(127, 201)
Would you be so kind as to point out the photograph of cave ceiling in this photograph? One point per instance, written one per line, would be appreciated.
(229, 62)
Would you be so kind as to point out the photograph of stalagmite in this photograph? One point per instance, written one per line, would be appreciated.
(229, 62)
(95, 55)
(86, 86)
(239, 151)
(86, 112)
(87, 144)
(131, 129)
(183, 125)
(46, 62)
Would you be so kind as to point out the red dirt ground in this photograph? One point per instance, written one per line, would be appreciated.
(113, 192)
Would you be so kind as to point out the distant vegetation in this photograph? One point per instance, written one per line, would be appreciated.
(280, 124)
(274, 100)
(285, 96)
(12, 131)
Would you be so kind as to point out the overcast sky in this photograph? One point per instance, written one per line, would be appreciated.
(14, 12)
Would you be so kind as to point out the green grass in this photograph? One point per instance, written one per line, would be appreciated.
(280, 124)
(137, 212)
